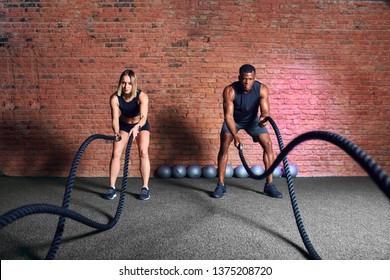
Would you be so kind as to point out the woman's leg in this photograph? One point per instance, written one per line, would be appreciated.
(117, 150)
(143, 140)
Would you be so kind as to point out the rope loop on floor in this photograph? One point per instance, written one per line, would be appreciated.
(377, 174)
(64, 211)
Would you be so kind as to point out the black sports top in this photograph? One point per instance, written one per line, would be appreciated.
(246, 105)
(130, 109)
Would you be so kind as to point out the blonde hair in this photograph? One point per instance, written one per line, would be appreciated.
(133, 81)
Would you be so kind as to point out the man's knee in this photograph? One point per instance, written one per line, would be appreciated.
(226, 139)
(265, 141)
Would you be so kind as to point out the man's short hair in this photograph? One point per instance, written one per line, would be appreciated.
(247, 68)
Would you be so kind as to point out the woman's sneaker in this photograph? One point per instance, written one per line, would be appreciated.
(144, 195)
(111, 194)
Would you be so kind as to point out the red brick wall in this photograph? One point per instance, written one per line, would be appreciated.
(326, 63)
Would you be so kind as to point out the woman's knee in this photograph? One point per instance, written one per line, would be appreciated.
(116, 153)
(143, 148)
(144, 153)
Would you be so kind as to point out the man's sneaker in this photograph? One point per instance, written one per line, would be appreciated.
(271, 190)
(144, 195)
(219, 191)
(110, 194)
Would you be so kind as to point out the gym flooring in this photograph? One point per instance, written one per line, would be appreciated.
(346, 218)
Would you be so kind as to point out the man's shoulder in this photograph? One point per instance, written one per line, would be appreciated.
(235, 86)
(228, 93)
(257, 84)
(228, 87)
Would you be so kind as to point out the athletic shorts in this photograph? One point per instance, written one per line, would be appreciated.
(253, 129)
(127, 126)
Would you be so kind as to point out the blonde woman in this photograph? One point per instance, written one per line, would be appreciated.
(129, 112)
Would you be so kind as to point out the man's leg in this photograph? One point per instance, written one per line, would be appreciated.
(268, 158)
(225, 140)
(268, 155)
(223, 155)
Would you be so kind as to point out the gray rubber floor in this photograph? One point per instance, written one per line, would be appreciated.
(345, 218)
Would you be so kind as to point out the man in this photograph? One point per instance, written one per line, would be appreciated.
(241, 103)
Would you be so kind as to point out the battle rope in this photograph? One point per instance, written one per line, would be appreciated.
(377, 174)
(63, 211)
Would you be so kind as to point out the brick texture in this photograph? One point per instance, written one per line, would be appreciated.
(326, 63)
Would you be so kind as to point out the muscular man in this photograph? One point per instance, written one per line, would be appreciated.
(241, 103)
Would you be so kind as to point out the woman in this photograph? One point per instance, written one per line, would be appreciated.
(129, 111)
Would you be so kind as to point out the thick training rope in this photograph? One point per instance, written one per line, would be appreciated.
(377, 174)
(63, 211)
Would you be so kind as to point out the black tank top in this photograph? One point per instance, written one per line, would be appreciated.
(129, 109)
(246, 106)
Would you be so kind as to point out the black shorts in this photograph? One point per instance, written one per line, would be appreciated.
(127, 126)
(251, 128)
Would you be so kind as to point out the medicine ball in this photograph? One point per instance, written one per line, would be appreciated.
(164, 171)
(209, 171)
(257, 169)
(293, 170)
(240, 172)
(277, 173)
(179, 171)
(194, 171)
